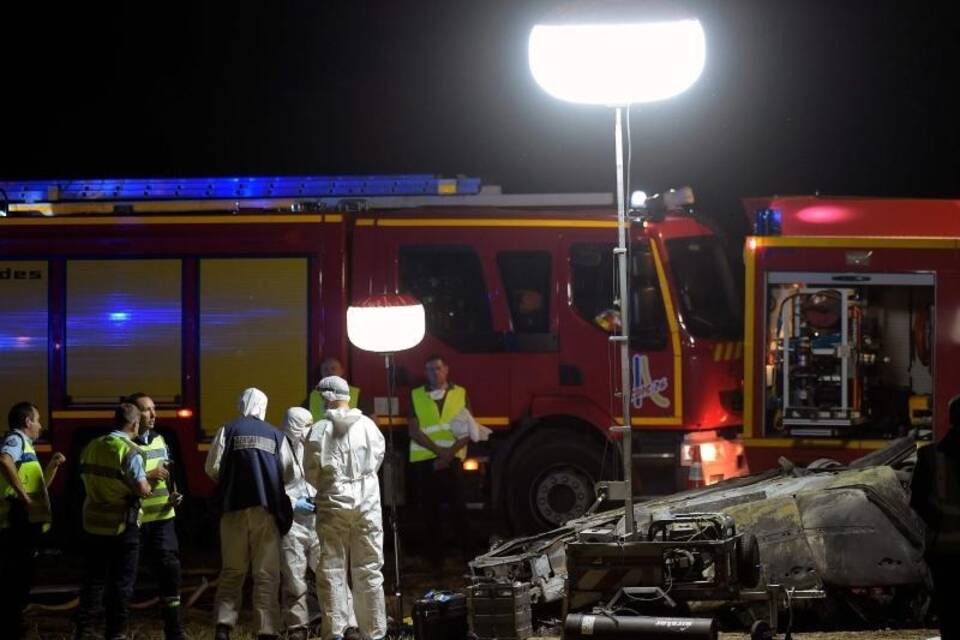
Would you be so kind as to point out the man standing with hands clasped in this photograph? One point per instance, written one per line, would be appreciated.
(436, 453)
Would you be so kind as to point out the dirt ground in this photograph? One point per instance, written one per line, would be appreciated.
(200, 628)
(51, 619)
(901, 634)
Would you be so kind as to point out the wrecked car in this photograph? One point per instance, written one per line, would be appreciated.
(843, 532)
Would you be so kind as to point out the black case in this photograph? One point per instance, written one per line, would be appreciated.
(500, 610)
(440, 620)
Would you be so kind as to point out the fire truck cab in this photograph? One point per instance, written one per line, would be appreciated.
(851, 325)
(191, 290)
(519, 302)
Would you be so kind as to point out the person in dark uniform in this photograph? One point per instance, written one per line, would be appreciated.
(158, 540)
(251, 461)
(24, 512)
(935, 496)
(112, 470)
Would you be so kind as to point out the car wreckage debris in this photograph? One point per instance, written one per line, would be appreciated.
(840, 540)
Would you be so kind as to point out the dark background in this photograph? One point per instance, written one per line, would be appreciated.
(835, 96)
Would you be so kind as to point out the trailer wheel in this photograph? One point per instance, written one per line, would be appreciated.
(552, 479)
(748, 561)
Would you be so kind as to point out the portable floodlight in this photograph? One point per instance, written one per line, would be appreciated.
(617, 61)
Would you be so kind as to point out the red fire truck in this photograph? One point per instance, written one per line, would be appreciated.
(851, 325)
(192, 290)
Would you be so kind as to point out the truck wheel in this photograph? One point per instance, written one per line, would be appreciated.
(552, 479)
(760, 630)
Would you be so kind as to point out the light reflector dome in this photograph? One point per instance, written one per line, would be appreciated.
(386, 324)
(617, 64)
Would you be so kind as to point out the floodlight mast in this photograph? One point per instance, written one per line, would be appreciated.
(626, 388)
(616, 65)
(387, 324)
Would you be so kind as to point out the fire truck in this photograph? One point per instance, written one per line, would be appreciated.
(193, 289)
(851, 325)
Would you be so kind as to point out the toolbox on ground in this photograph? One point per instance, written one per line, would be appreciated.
(500, 609)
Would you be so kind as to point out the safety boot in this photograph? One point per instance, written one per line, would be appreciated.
(222, 632)
(172, 625)
(300, 633)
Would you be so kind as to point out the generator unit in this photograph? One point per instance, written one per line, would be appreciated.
(822, 360)
(846, 354)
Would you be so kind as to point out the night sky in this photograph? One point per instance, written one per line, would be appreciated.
(836, 96)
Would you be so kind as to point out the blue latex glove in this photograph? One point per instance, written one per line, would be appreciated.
(304, 507)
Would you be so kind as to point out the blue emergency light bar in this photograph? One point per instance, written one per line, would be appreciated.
(258, 187)
(768, 222)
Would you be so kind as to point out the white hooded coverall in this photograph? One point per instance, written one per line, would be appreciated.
(343, 454)
(300, 548)
(248, 539)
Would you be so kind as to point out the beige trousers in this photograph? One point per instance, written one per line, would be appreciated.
(249, 538)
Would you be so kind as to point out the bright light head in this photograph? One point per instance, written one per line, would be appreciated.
(386, 324)
(617, 64)
(638, 199)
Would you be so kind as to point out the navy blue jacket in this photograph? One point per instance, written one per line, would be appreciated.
(251, 473)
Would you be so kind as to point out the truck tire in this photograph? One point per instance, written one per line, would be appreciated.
(552, 479)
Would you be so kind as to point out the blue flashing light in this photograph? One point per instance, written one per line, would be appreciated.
(240, 187)
(119, 316)
(768, 222)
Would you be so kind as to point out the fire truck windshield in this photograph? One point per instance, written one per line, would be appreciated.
(708, 296)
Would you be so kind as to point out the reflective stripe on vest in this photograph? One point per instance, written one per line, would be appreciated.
(434, 423)
(947, 501)
(157, 505)
(110, 493)
(31, 477)
(318, 406)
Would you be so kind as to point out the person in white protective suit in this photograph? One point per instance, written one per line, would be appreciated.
(300, 548)
(343, 454)
(251, 462)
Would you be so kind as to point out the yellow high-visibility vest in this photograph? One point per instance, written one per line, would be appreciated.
(434, 423)
(157, 505)
(110, 493)
(318, 406)
(31, 477)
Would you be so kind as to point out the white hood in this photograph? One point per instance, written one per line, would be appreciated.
(296, 427)
(297, 423)
(343, 419)
(342, 456)
(253, 402)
